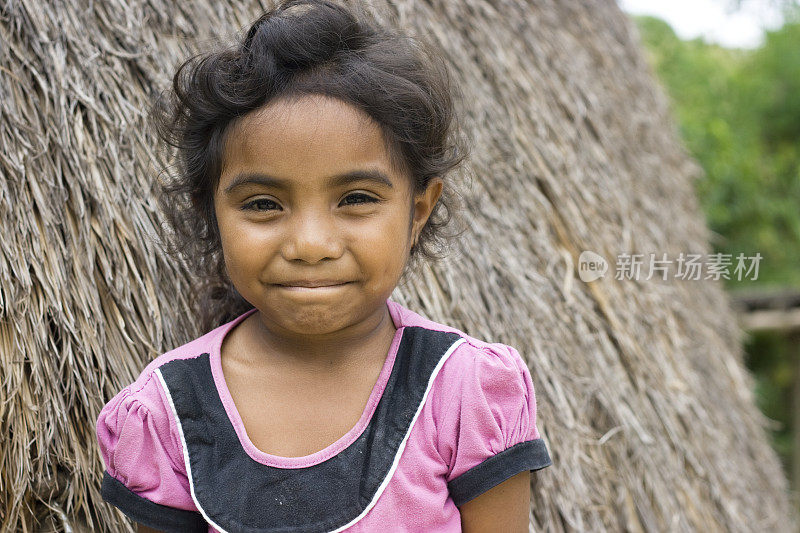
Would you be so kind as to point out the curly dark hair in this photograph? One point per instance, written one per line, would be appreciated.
(301, 47)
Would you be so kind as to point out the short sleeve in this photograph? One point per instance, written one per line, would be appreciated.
(145, 476)
(488, 421)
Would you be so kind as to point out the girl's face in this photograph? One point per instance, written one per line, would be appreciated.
(315, 224)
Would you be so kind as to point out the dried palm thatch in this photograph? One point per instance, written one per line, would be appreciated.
(643, 399)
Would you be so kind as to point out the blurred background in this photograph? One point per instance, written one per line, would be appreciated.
(731, 70)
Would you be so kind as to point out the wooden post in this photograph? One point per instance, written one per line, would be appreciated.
(794, 353)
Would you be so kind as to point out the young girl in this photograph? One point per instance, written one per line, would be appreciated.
(313, 159)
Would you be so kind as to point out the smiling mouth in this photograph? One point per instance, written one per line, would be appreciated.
(307, 284)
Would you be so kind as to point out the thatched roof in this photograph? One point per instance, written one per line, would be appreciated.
(643, 399)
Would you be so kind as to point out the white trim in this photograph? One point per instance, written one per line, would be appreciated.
(402, 446)
(185, 452)
(383, 484)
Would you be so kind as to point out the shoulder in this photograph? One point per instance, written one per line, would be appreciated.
(141, 411)
(487, 383)
(492, 360)
(139, 416)
(483, 405)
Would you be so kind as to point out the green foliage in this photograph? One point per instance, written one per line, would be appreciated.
(739, 115)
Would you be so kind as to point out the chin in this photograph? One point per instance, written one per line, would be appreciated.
(314, 323)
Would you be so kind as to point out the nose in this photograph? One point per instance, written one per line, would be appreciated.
(312, 238)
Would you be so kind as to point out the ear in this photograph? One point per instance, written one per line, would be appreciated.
(424, 202)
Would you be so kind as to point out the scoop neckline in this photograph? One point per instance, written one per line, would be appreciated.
(332, 449)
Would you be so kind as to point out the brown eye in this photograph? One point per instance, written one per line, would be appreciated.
(358, 198)
(261, 204)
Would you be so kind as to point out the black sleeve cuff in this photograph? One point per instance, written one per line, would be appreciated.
(529, 455)
(155, 515)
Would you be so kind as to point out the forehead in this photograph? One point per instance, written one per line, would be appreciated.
(309, 136)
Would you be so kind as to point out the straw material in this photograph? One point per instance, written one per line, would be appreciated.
(643, 399)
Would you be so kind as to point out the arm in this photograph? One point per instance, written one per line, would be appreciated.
(144, 529)
(504, 507)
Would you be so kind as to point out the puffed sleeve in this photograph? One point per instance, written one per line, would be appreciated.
(145, 476)
(488, 421)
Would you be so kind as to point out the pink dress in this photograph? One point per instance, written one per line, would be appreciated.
(449, 418)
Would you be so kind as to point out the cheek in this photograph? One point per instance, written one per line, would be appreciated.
(241, 246)
(383, 245)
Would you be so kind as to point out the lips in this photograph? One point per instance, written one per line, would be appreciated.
(312, 284)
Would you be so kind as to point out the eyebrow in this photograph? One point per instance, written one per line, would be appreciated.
(258, 178)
